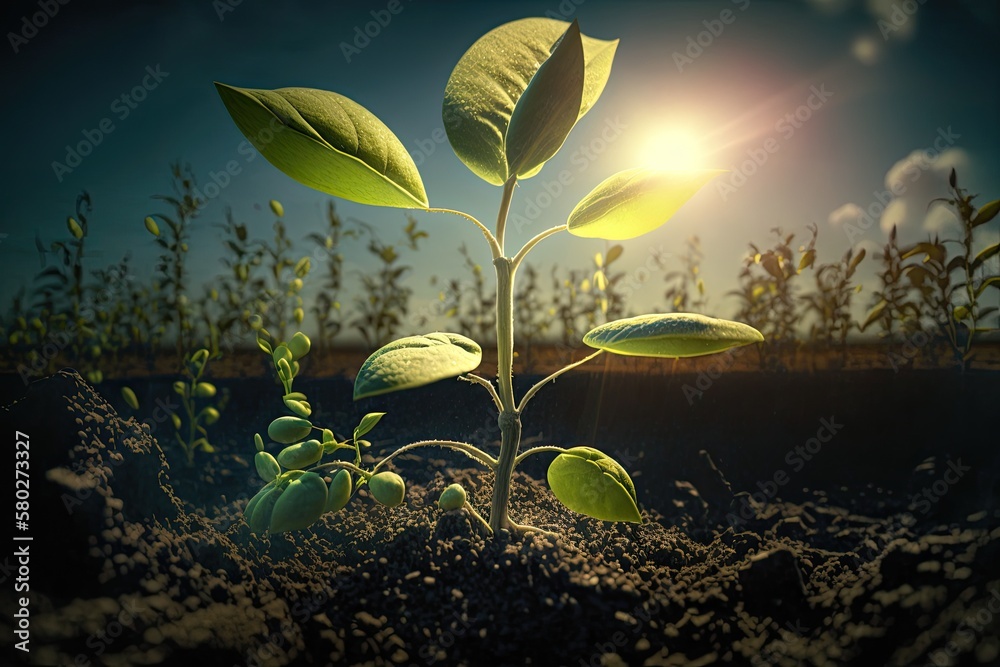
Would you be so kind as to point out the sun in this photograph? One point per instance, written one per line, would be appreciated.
(673, 149)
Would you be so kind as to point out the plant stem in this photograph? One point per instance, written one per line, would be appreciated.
(531, 392)
(508, 193)
(495, 248)
(537, 450)
(464, 447)
(519, 257)
(475, 379)
(509, 419)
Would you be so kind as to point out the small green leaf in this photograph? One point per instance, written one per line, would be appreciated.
(287, 430)
(875, 314)
(985, 254)
(367, 423)
(993, 280)
(267, 466)
(74, 228)
(670, 335)
(301, 455)
(130, 398)
(264, 342)
(549, 107)
(260, 511)
(301, 408)
(415, 361)
(276, 207)
(209, 416)
(339, 492)
(302, 502)
(388, 488)
(258, 442)
(634, 202)
(151, 226)
(299, 346)
(490, 79)
(328, 142)
(204, 390)
(986, 213)
(589, 482)
(452, 498)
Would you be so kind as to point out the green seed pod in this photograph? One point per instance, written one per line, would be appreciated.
(301, 455)
(209, 416)
(301, 408)
(302, 267)
(388, 488)
(338, 492)
(74, 228)
(204, 390)
(130, 398)
(287, 430)
(299, 345)
(267, 466)
(277, 208)
(258, 442)
(180, 388)
(452, 498)
(298, 315)
(302, 502)
(152, 227)
(260, 519)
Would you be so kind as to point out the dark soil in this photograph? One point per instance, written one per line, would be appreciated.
(873, 553)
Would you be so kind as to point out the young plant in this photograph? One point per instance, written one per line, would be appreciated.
(329, 316)
(831, 301)
(384, 300)
(686, 288)
(892, 309)
(200, 411)
(509, 105)
(241, 286)
(281, 302)
(957, 307)
(768, 292)
(185, 203)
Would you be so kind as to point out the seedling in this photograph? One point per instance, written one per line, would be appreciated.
(509, 105)
(200, 410)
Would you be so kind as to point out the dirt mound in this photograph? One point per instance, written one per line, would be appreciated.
(126, 573)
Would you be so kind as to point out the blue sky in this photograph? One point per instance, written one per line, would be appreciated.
(836, 94)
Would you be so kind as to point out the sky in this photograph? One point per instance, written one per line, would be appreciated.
(820, 110)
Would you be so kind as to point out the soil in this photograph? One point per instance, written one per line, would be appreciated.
(787, 519)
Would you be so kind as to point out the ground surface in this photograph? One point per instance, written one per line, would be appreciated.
(869, 552)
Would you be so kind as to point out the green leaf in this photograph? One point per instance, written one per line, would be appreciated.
(589, 482)
(328, 142)
(287, 430)
(489, 80)
(74, 228)
(985, 254)
(670, 335)
(299, 345)
(258, 442)
(267, 466)
(275, 205)
(301, 408)
(130, 398)
(388, 488)
(549, 107)
(204, 390)
(635, 201)
(264, 341)
(875, 313)
(259, 509)
(986, 213)
(415, 361)
(993, 280)
(339, 492)
(301, 503)
(367, 423)
(301, 455)
(151, 226)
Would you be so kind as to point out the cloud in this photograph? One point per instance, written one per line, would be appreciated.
(909, 187)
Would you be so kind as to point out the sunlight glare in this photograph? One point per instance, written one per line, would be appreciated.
(673, 149)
